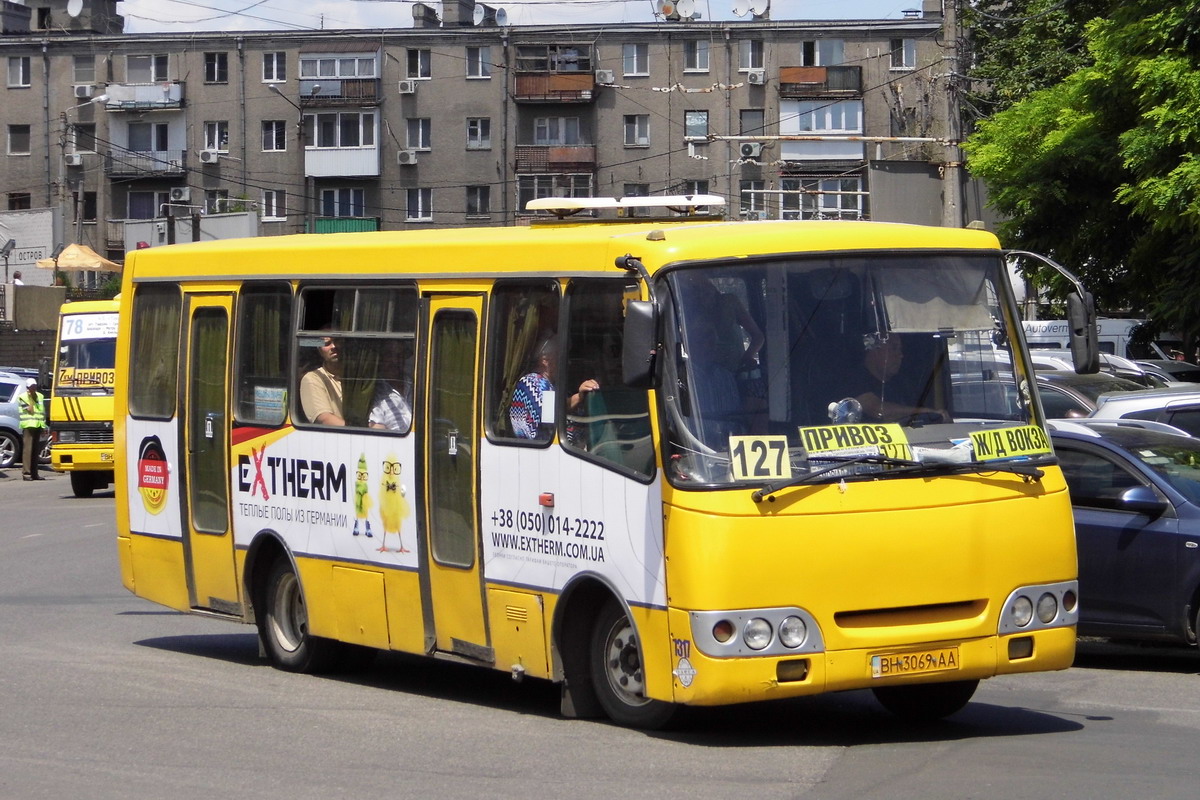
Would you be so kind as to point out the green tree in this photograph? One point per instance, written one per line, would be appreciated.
(1100, 170)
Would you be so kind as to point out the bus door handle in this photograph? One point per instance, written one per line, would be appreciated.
(209, 427)
(452, 442)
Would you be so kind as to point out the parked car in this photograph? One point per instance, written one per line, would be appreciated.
(1172, 371)
(1068, 394)
(1177, 405)
(12, 385)
(1109, 364)
(1135, 491)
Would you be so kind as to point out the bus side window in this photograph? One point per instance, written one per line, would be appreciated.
(523, 323)
(261, 369)
(612, 422)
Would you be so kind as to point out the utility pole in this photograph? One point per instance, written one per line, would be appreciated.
(952, 169)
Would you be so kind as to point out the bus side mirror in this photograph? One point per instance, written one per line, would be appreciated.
(1085, 348)
(44, 373)
(639, 348)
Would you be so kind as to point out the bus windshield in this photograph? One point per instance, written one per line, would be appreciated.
(808, 362)
(86, 357)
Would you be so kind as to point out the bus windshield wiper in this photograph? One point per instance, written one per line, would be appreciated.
(901, 466)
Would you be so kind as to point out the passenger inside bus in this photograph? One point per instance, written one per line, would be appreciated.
(321, 387)
(529, 412)
(391, 408)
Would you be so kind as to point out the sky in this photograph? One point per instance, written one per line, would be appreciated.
(146, 16)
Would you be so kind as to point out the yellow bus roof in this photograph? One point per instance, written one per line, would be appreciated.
(564, 248)
(90, 306)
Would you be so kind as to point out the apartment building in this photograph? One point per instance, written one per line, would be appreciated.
(452, 123)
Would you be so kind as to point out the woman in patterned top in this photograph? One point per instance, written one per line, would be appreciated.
(530, 395)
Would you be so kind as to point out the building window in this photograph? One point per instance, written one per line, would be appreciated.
(148, 137)
(418, 63)
(83, 137)
(20, 201)
(826, 116)
(695, 56)
(479, 133)
(750, 54)
(216, 201)
(554, 58)
(556, 130)
(347, 66)
(479, 62)
(85, 69)
(19, 72)
(146, 68)
(636, 59)
(216, 136)
(531, 187)
(420, 205)
(751, 122)
(274, 204)
(343, 202)
(18, 140)
(695, 187)
(419, 133)
(635, 190)
(274, 67)
(753, 201)
(637, 130)
(479, 201)
(216, 68)
(822, 198)
(146, 205)
(822, 53)
(904, 53)
(695, 123)
(346, 129)
(274, 135)
(87, 207)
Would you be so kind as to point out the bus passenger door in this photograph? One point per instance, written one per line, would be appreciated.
(212, 582)
(452, 548)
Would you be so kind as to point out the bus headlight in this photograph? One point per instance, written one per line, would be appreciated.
(66, 437)
(1047, 608)
(1022, 611)
(757, 634)
(792, 632)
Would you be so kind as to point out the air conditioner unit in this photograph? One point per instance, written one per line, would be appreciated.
(181, 194)
(406, 158)
(84, 90)
(606, 76)
(756, 77)
(209, 156)
(408, 87)
(73, 159)
(751, 149)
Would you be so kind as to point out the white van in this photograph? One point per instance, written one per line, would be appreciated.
(1114, 336)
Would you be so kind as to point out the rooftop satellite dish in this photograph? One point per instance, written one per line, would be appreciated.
(74, 7)
(501, 17)
(760, 7)
(480, 14)
(667, 8)
(685, 8)
(741, 7)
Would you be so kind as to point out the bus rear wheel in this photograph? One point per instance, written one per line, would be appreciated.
(618, 675)
(926, 702)
(283, 625)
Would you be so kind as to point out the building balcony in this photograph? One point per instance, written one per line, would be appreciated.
(341, 162)
(166, 95)
(333, 92)
(144, 164)
(343, 224)
(556, 158)
(554, 87)
(820, 81)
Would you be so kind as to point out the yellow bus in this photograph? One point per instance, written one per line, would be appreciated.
(661, 461)
(81, 394)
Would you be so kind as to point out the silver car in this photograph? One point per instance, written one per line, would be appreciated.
(12, 385)
(1177, 405)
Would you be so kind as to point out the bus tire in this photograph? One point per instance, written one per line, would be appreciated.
(283, 625)
(82, 484)
(926, 702)
(615, 659)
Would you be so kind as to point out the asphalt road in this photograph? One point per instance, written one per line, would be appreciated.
(104, 695)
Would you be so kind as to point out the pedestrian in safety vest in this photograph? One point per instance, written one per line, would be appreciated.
(33, 426)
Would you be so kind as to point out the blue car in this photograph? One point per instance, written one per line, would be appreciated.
(1135, 490)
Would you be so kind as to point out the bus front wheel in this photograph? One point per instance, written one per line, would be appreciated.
(283, 624)
(83, 484)
(926, 702)
(618, 674)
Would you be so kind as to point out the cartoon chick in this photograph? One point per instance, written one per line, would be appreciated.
(392, 506)
(362, 500)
